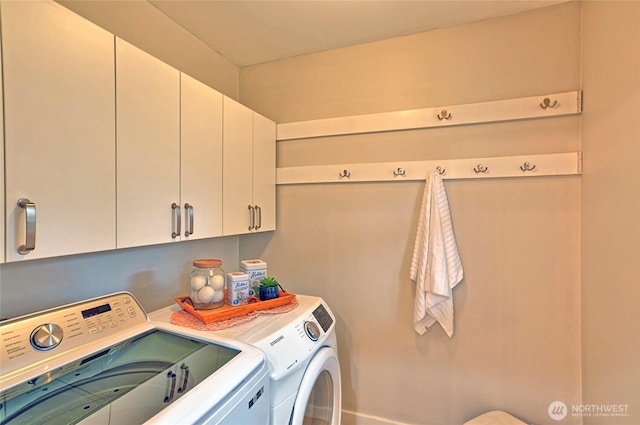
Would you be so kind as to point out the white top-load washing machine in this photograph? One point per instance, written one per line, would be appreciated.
(301, 349)
(102, 361)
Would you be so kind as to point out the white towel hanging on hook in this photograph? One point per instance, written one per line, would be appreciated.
(435, 265)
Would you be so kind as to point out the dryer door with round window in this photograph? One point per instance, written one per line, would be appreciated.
(319, 398)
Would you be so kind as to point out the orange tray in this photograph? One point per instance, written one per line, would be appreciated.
(229, 312)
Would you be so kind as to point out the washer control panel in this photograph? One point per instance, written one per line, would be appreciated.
(46, 337)
(33, 338)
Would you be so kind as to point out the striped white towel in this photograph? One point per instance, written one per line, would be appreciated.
(435, 266)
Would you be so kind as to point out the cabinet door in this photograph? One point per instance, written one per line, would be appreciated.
(201, 157)
(2, 240)
(264, 171)
(238, 163)
(59, 129)
(148, 147)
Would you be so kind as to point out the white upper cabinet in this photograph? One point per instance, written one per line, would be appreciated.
(148, 148)
(169, 141)
(107, 147)
(59, 132)
(201, 157)
(2, 240)
(264, 172)
(249, 170)
(237, 182)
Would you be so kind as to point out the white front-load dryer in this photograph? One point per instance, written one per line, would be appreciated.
(301, 349)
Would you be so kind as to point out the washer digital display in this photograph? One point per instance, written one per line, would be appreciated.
(95, 311)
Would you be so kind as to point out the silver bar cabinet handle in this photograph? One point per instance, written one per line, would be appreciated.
(30, 238)
(252, 217)
(176, 211)
(259, 210)
(188, 209)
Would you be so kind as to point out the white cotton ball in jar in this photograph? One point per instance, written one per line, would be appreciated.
(205, 294)
(217, 296)
(217, 282)
(197, 282)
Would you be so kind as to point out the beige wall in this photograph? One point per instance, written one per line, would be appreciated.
(517, 343)
(465, 64)
(611, 207)
(154, 274)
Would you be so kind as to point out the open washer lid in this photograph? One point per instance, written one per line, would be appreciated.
(57, 369)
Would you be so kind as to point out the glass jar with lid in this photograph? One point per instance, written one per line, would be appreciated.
(206, 284)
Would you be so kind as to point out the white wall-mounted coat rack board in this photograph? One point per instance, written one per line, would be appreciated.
(557, 164)
(547, 105)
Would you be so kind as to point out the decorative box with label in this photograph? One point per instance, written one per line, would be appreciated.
(256, 269)
(238, 288)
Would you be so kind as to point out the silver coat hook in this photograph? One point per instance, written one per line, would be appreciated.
(546, 103)
(445, 115)
(345, 173)
(440, 170)
(527, 167)
(481, 169)
(399, 172)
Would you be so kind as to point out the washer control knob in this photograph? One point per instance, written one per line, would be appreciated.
(46, 337)
(312, 330)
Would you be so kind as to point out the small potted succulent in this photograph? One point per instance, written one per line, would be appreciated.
(268, 288)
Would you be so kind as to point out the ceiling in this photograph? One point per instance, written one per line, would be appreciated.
(250, 32)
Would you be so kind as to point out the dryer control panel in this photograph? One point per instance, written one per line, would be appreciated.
(30, 339)
(323, 318)
(294, 344)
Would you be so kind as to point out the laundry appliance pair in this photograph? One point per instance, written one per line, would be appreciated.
(301, 351)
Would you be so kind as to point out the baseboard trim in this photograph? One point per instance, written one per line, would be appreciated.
(354, 418)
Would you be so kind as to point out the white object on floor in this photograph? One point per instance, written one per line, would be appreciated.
(496, 417)
(435, 265)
